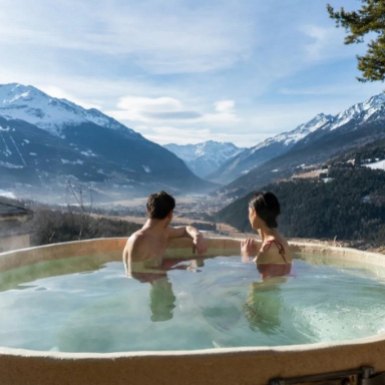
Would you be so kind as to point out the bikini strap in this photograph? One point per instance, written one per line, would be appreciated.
(280, 247)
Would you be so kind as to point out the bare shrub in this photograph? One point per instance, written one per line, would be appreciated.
(52, 226)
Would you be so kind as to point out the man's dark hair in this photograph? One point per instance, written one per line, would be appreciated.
(159, 205)
(267, 207)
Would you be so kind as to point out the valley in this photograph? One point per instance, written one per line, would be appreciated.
(328, 172)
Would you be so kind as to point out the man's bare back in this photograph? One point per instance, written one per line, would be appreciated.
(145, 248)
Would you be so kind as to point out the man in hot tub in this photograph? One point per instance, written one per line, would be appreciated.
(145, 248)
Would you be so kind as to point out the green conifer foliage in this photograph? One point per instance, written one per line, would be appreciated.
(368, 20)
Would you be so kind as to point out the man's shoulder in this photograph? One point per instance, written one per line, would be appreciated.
(135, 238)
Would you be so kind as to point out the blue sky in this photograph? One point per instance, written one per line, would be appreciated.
(190, 70)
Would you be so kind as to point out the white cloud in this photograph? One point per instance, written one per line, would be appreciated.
(137, 108)
(224, 114)
(325, 43)
(224, 105)
(139, 103)
(166, 119)
(165, 109)
(161, 39)
(168, 134)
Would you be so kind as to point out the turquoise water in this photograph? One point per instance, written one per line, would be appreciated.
(220, 304)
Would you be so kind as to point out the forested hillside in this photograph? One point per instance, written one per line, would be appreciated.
(369, 153)
(345, 202)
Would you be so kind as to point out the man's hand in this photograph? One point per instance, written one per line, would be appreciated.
(199, 244)
(248, 249)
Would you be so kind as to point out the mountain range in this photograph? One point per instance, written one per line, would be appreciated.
(309, 144)
(205, 158)
(49, 145)
(330, 183)
(272, 147)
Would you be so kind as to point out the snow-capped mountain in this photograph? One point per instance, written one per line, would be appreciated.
(46, 142)
(51, 114)
(361, 112)
(315, 142)
(319, 122)
(204, 158)
(270, 148)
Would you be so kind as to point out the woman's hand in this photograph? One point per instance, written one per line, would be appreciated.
(248, 249)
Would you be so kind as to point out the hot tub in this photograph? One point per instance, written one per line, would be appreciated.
(245, 365)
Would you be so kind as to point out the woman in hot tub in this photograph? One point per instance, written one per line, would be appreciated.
(272, 254)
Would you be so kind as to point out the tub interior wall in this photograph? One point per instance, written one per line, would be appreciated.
(111, 249)
(107, 249)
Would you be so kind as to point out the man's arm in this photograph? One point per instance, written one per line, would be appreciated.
(127, 258)
(192, 232)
